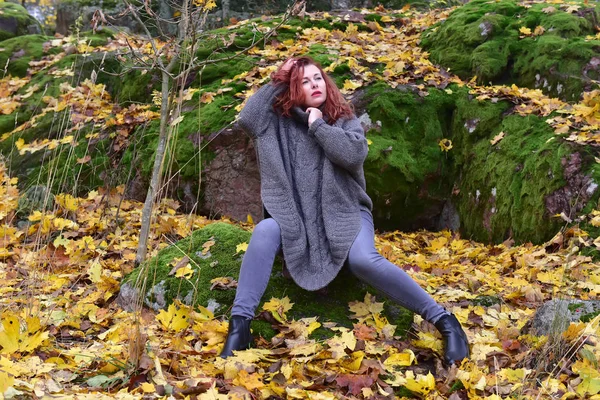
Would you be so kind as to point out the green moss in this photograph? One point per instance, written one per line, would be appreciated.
(405, 163)
(487, 301)
(574, 306)
(556, 65)
(331, 306)
(589, 317)
(482, 38)
(321, 55)
(212, 74)
(22, 50)
(373, 17)
(98, 38)
(136, 87)
(10, 122)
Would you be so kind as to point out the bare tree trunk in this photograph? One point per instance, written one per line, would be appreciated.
(165, 13)
(186, 26)
(225, 6)
(155, 181)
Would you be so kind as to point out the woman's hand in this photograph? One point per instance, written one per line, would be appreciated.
(313, 115)
(288, 64)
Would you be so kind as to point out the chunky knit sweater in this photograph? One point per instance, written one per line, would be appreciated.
(312, 184)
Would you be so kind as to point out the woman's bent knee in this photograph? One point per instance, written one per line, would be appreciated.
(267, 229)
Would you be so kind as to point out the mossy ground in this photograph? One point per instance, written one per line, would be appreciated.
(483, 39)
(19, 51)
(332, 306)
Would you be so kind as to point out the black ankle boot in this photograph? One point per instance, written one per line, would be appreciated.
(455, 340)
(238, 337)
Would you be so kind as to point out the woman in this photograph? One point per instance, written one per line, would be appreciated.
(311, 150)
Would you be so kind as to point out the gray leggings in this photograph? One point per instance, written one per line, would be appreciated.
(363, 260)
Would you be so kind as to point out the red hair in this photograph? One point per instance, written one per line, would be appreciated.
(335, 105)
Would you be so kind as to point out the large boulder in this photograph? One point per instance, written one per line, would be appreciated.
(16, 21)
(82, 11)
(552, 47)
(212, 253)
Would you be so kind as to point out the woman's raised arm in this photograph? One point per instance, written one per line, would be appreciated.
(258, 111)
(346, 146)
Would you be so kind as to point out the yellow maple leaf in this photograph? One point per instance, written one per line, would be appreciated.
(241, 247)
(6, 381)
(213, 394)
(590, 377)
(184, 272)
(350, 85)
(525, 31)
(66, 201)
(429, 341)
(539, 30)
(207, 245)
(422, 384)
(404, 359)
(207, 97)
(176, 318)
(249, 381)
(148, 387)
(514, 375)
(445, 144)
(9, 338)
(353, 362)
(12, 340)
(278, 308)
(497, 138)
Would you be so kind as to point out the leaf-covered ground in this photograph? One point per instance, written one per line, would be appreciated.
(63, 336)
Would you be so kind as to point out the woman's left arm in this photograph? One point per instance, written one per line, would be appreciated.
(345, 146)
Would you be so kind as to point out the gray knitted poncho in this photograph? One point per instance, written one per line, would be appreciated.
(312, 184)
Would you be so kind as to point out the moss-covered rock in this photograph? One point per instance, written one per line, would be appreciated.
(544, 46)
(222, 260)
(406, 172)
(16, 21)
(516, 187)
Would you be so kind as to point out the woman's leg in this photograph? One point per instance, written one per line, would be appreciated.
(256, 267)
(371, 267)
(254, 277)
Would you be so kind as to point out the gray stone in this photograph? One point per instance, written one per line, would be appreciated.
(449, 219)
(37, 197)
(155, 298)
(127, 297)
(68, 12)
(555, 316)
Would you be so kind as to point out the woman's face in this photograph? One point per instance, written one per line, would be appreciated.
(313, 86)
